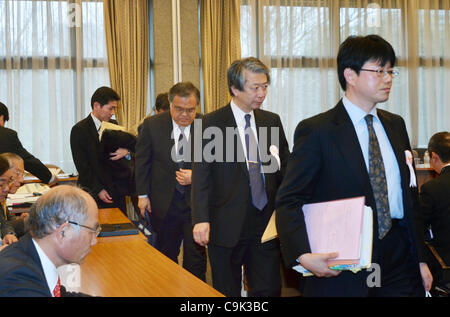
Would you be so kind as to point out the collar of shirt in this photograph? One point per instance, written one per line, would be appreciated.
(356, 113)
(50, 271)
(392, 171)
(177, 131)
(97, 122)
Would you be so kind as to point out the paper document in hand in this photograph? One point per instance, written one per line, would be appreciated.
(336, 226)
(271, 229)
(110, 126)
(348, 259)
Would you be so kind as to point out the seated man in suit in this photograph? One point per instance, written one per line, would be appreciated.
(63, 228)
(163, 182)
(86, 150)
(6, 178)
(435, 198)
(162, 104)
(13, 227)
(11, 143)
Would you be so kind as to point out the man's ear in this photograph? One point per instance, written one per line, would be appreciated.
(435, 156)
(62, 232)
(350, 76)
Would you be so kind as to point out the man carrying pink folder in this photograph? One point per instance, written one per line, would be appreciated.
(350, 151)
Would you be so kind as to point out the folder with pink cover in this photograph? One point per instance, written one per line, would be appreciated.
(343, 226)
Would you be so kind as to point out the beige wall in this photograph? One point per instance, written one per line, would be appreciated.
(163, 44)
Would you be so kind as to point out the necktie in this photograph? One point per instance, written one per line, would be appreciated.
(377, 177)
(182, 142)
(57, 289)
(259, 196)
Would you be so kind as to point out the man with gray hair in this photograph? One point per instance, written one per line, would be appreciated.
(63, 228)
(233, 200)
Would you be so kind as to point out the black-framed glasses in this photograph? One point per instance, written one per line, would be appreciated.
(381, 72)
(95, 230)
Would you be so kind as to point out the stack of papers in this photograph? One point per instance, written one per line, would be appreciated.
(110, 126)
(344, 226)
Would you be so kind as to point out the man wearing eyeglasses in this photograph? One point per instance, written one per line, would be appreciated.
(13, 227)
(6, 178)
(163, 176)
(356, 150)
(63, 228)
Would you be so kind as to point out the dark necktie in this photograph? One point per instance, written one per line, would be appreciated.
(377, 177)
(259, 196)
(182, 142)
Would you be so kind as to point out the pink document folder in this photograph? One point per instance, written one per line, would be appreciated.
(336, 226)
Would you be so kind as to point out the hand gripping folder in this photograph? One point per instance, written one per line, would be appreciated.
(344, 226)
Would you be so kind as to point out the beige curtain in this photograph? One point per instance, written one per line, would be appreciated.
(220, 40)
(299, 40)
(126, 28)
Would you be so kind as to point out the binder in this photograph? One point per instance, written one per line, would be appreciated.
(118, 229)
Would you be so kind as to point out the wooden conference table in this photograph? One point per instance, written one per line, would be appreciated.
(129, 266)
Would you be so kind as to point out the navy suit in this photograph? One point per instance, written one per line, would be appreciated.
(9, 142)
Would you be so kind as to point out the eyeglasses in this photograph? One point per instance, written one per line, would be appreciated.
(180, 110)
(381, 73)
(96, 230)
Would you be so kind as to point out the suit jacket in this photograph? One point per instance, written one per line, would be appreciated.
(327, 164)
(155, 168)
(21, 272)
(221, 190)
(9, 142)
(435, 208)
(86, 153)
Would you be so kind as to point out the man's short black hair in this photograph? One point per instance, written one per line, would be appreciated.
(103, 96)
(440, 144)
(162, 102)
(4, 112)
(355, 51)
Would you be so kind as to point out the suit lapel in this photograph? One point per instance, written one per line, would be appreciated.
(230, 122)
(345, 138)
(92, 129)
(397, 146)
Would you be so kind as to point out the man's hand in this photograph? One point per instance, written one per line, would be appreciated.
(117, 155)
(427, 277)
(144, 205)
(317, 263)
(9, 239)
(53, 181)
(105, 197)
(201, 233)
(184, 176)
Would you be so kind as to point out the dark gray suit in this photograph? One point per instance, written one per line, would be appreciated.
(170, 210)
(221, 196)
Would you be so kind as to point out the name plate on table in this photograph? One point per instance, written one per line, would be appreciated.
(118, 229)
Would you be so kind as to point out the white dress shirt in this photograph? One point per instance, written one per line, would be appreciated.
(50, 271)
(239, 117)
(391, 167)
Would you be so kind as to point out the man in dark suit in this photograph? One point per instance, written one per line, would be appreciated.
(233, 191)
(86, 150)
(163, 176)
(63, 228)
(9, 142)
(355, 150)
(435, 197)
